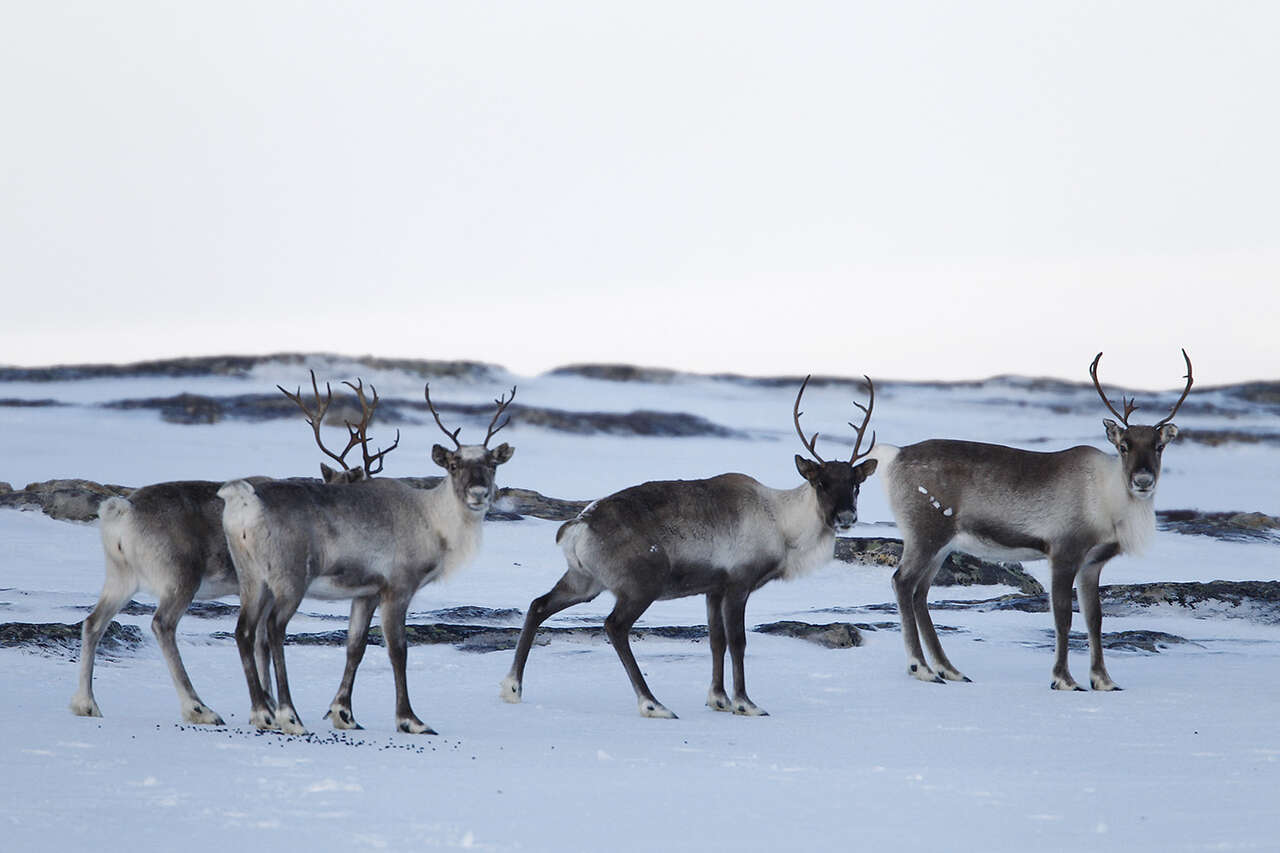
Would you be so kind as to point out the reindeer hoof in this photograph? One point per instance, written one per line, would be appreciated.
(511, 690)
(1108, 685)
(289, 723)
(83, 706)
(923, 673)
(342, 718)
(414, 726)
(656, 710)
(1067, 683)
(747, 708)
(719, 701)
(263, 720)
(202, 716)
(954, 675)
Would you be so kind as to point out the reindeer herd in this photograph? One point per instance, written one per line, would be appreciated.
(377, 541)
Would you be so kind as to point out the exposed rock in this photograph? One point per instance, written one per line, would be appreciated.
(198, 609)
(1218, 437)
(11, 403)
(1151, 642)
(62, 639)
(529, 502)
(959, 569)
(240, 365)
(473, 613)
(833, 635)
(1255, 600)
(1228, 526)
(71, 500)
(488, 638)
(5, 488)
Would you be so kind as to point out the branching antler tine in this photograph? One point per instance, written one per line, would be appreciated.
(1128, 409)
(316, 418)
(810, 444)
(369, 460)
(426, 391)
(502, 402)
(1185, 391)
(866, 419)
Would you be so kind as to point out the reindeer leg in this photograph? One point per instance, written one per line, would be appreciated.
(909, 581)
(920, 603)
(119, 587)
(285, 715)
(357, 640)
(618, 627)
(1091, 609)
(572, 588)
(254, 599)
(717, 699)
(164, 625)
(1063, 570)
(734, 610)
(262, 657)
(394, 610)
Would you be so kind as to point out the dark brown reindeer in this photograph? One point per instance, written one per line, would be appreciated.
(1078, 507)
(168, 539)
(723, 537)
(377, 542)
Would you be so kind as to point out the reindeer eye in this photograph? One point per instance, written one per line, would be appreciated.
(1124, 447)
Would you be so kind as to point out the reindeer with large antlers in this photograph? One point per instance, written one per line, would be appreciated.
(167, 538)
(723, 537)
(1078, 507)
(377, 542)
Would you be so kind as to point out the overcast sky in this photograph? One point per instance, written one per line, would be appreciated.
(906, 189)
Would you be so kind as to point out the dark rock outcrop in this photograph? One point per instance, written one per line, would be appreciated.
(64, 640)
(240, 365)
(833, 635)
(958, 570)
(69, 500)
(1227, 526)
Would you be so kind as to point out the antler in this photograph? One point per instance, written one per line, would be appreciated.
(1129, 406)
(426, 391)
(810, 444)
(1185, 391)
(502, 402)
(359, 432)
(316, 418)
(862, 430)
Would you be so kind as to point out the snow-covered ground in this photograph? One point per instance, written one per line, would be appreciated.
(854, 753)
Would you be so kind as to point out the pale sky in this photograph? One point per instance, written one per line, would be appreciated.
(906, 189)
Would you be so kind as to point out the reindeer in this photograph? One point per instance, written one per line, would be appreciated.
(167, 538)
(377, 542)
(723, 537)
(1078, 507)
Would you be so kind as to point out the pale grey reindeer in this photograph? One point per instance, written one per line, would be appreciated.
(1078, 507)
(377, 542)
(722, 537)
(167, 538)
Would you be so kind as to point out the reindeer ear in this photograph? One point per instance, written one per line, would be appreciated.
(502, 453)
(328, 474)
(1114, 431)
(1168, 433)
(354, 475)
(865, 470)
(808, 469)
(440, 456)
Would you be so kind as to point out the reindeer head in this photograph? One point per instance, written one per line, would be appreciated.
(1140, 446)
(471, 468)
(837, 483)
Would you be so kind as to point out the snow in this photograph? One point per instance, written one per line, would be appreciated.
(854, 753)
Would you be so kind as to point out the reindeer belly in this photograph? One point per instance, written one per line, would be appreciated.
(346, 580)
(996, 544)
